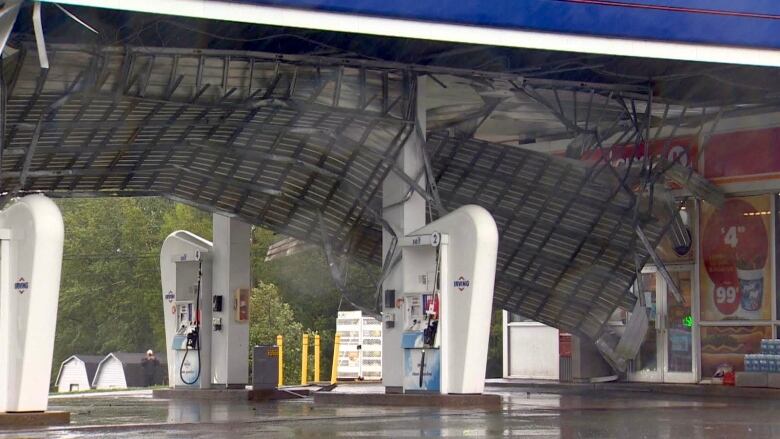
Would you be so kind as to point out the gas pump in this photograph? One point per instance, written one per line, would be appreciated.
(206, 297)
(185, 262)
(187, 338)
(447, 302)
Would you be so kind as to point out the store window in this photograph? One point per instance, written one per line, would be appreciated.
(735, 281)
(777, 262)
(735, 271)
(727, 345)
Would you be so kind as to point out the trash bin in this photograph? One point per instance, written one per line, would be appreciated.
(265, 367)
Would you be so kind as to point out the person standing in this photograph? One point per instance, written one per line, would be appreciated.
(150, 363)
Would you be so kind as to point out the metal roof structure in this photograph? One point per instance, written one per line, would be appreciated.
(301, 143)
(285, 141)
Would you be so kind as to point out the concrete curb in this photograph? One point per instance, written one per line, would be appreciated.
(486, 401)
(214, 394)
(34, 419)
(666, 389)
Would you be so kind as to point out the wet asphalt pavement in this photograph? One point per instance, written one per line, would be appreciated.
(589, 415)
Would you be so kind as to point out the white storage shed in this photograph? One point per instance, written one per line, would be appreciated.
(77, 372)
(120, 370)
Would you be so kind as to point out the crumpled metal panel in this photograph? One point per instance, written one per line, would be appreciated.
(566, 229)
(284, 141)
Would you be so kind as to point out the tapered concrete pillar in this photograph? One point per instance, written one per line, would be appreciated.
(404, 218)
(231, 281)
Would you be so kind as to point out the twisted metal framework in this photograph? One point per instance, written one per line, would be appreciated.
(301, 145)
(566, 230)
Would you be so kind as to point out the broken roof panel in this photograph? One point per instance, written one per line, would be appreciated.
(283, 141)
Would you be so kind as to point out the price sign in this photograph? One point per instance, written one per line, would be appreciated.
(726, 298)
(735, 251)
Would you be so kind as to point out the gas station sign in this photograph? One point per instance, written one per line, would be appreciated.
(682, 150)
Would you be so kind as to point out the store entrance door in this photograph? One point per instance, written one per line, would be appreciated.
(667, 353)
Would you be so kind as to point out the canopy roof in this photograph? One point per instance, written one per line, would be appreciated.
(291, 143)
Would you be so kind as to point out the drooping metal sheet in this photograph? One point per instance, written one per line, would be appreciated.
(292, 143)
(272, 141)
(567, 242)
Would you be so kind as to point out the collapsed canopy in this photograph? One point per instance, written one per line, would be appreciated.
(292, 143)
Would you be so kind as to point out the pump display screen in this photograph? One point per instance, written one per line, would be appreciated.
(415, 307)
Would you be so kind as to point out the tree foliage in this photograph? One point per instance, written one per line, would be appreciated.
(109, 298)
(270, 316)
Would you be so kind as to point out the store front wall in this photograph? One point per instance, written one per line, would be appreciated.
(728, 273)
(729, 277)
(737, 263)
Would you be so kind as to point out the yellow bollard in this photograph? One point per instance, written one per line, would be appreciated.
(280, 346)
(316, 358)
(304, 359)
(334, 370)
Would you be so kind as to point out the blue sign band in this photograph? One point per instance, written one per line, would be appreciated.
(754, 23)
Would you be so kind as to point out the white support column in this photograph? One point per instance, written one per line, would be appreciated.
(404, 218)
(231, 274)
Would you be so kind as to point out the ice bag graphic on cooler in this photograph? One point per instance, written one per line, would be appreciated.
(751, 286)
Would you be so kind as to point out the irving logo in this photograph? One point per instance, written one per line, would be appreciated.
(21, 285)
(462, 283)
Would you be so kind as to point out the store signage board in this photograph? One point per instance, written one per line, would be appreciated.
(682, 150)
(743, 156)
(696, 30)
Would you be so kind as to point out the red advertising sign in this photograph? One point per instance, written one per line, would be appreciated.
(682, 149)
(735, 275)
(743, 155)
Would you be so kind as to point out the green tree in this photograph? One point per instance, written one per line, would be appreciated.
(304, 282)
(495, 365)
(182, 217)
(269, 317)
(105, 294)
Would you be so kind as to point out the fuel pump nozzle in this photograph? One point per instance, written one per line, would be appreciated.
(432, 317)
(193, 332)
(193, 338)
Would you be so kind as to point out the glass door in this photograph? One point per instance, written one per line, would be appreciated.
(645, 365)
(678, 330)
(667, 353)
